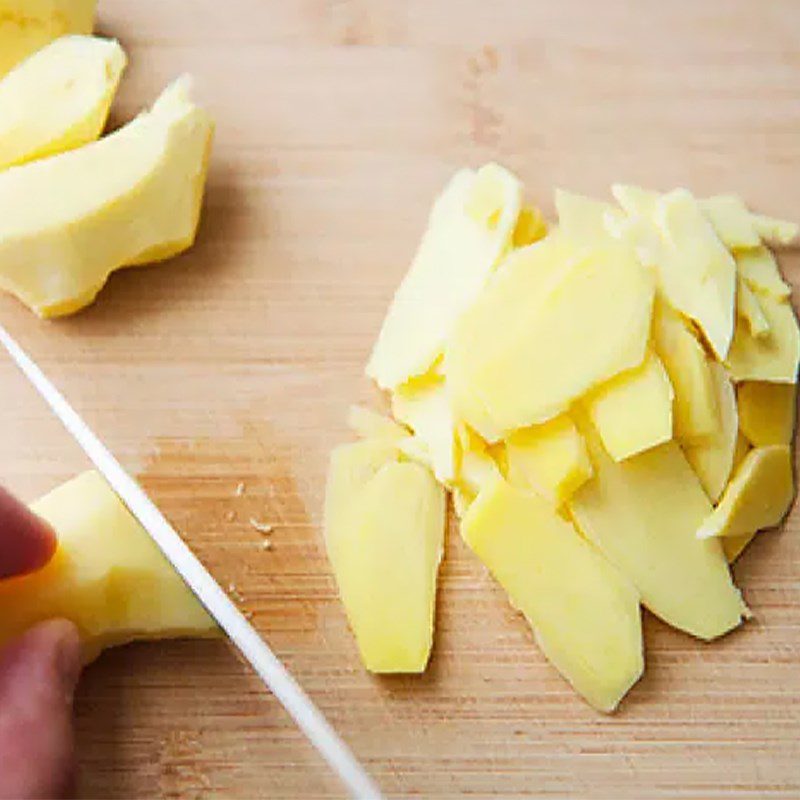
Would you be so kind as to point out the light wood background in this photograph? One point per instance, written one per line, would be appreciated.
(337, 123)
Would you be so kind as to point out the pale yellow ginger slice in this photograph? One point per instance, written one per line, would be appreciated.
(743, 446)
(776, 231)
(583, 611)
(469, 229)
(695, 409)
(732, 221)
(59, 98)
(772, 357)
(712, 457)
(642, 513)
(758, 496)
(548, 328)
(697, 272)
(760, 270)
(385, 550)
(735, 545)
(550, 458)
(767, 412)
(107, 576)
(369, 424)
(351, 467)
(477, 468)
(28, 25)
(423, 404)
(531, 226)
(633, 411)
(635, 201)
(749, 309)
(583, 219)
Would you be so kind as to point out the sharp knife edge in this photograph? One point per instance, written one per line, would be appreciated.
(261, 658)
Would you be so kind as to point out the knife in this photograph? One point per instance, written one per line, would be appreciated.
(244, 636)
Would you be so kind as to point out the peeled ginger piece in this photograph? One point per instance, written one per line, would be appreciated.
(583, 219)
(130, 198)
(732, 221)
(776, 231)
(695, 409)
(28, 25)
(758, 496)
(648, 390)
(696, 273)
(583, 611)
(107, 576)
(550, 459)
(469, 229)
(760, 271)
(712, 458)
(767, 411)
(477, 467)
(384, 530)
(773, 356)
(59, 98)
(369, 424)
(549, 327)
(642, 513)
(749, 309)
(424, 406)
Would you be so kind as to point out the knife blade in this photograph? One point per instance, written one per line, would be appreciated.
(244, 636)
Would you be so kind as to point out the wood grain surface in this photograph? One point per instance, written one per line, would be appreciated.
(337, 123)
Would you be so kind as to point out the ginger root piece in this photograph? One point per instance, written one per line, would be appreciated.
(384, 530)
(107, 576)
(642, 513)
(550, 459)
(58, 99)
(584, 220)
(760, 271)
(583, 611)
(758, 496)
(369, 424)
(696, 273)
(28, 25)
(695, 410)
(732, 221)
(646, 389)
(767, 411)
(749, 309)
(773, 356)
(712, 458)
(592, 307)
(469, 229)
(477, 467)
(424, 406)
(131, 198)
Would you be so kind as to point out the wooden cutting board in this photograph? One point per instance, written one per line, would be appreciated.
(337, 123)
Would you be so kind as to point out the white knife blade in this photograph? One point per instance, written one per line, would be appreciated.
(261, 658)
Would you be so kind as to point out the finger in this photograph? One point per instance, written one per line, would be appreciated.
(38, 674)
(27, 543)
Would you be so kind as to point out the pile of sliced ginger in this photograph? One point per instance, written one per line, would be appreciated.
(610, 405)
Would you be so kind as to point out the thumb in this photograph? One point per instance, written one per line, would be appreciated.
(38, 675)
(27, 543)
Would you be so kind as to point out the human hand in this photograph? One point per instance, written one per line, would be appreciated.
(38, 675)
